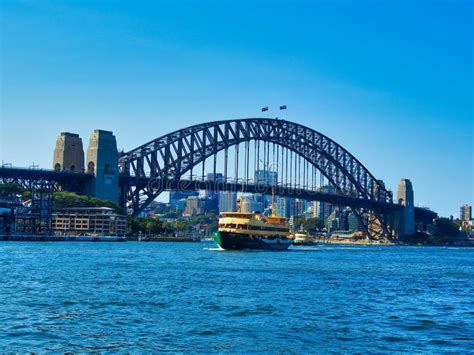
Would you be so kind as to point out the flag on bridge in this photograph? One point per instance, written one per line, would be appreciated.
(264, 108)
(283, 107)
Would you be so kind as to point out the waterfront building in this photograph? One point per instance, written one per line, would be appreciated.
(344, 218)
(88, 221)
(339, 220)
(333, 220)
(465, 213)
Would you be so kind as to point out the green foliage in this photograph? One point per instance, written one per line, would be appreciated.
(70, 199)
(147, 226)
(172, 214)
(298, 221)
(161, 208)
(312, 225)
(11, 189)
(447, 232)
(190, 223)
(417, 238)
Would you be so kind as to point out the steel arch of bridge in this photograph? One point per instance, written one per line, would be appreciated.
(149, 169)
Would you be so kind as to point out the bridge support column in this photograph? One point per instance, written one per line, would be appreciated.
(405, 221)
(68, 153)
(102, 161)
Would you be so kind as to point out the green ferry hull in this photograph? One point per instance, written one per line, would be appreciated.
(235, 241)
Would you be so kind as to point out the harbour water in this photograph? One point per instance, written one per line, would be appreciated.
(191, 297)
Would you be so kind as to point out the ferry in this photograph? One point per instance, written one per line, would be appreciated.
(301, 238)
(240, 230)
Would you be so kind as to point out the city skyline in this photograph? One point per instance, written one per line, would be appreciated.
(402, 106)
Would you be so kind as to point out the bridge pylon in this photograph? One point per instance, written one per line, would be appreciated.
(102, 161)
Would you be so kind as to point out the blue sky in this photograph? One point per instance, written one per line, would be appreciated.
(391, 81)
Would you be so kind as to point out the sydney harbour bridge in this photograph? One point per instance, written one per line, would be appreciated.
(303, 160)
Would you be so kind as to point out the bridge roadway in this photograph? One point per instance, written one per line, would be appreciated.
(240, 186)
(30, 178)
(43, 174)
(71, 181)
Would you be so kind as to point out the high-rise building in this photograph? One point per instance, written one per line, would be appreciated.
(194, 206)
(465, 213)
(266, 177)
(322, 210)
(355, 224)
(227, 201)
(282, 206)
(333, 221)
(251, 203)
(212, 194)
(297, 207)
(176, 196)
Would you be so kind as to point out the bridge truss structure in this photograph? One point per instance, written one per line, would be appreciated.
(306, 164)
(34, 216)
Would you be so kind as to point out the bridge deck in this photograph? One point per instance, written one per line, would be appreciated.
(42, 174)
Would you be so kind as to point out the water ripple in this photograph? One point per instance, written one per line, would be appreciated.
(166, 297)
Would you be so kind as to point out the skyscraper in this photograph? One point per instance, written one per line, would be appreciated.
(322, 210)
(251, 203)
(227, 201)
(354, 223)
(176, 196)
(266, 177)
(282, 206)
(297, 207)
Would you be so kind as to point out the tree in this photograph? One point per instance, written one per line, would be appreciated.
(313, 225)
(146, 225)
(447, 232)
(11, 190)
(69, 199)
